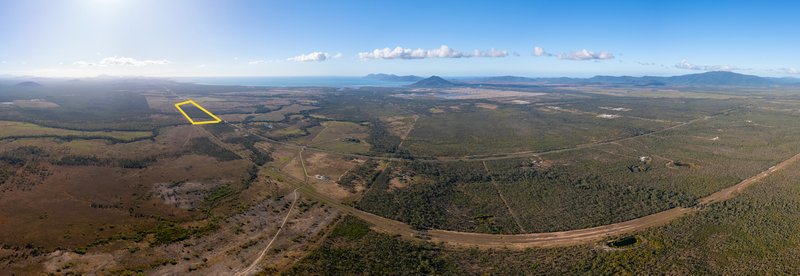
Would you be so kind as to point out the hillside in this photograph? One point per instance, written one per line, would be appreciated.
(28, 84)
(433, 82)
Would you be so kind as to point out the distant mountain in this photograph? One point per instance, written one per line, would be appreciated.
(713, 78)
(433, 82)
(393, 78)
(28, 84)
(720, 78)
(509, 79)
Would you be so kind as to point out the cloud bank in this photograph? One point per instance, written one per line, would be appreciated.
(689, 66)
(123, 61)
(314, 56)
(256, 62)
(442, 52)
(577, 55)
(791, 70)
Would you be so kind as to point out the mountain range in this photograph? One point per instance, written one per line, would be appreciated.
(713, 78)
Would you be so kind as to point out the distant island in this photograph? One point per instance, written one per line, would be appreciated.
(393, 78)
(28, 84)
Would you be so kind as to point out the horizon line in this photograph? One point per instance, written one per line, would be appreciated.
(362, 76)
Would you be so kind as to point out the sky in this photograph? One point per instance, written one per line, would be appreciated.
(82, 38)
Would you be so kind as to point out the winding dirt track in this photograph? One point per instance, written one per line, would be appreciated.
(252, 268)
(549, 239)
(520, 241)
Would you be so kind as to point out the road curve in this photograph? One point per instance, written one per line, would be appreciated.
(548, 239)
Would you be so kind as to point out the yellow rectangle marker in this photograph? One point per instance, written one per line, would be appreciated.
(216, 119)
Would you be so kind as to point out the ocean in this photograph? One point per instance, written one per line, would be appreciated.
(292, 81)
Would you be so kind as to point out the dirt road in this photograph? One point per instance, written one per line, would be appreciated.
(252, 268)
(549, 239)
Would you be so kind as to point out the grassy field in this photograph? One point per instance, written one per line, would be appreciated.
(272, 116)
(345, 137)
(20, 129)
(514, 129)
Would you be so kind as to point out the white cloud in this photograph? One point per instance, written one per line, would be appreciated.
(689, 66)
(122, 61)
(314, 56)
(790, 70)
(264, 61)
(82, 63)
(577, 55)
(491, 53)
(132, 61)
(442, 52)
(539, 51)
(586, 55)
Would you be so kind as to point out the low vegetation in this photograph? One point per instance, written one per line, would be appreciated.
(204, 145)
(746, 235)
(140, 179)
(9, 129)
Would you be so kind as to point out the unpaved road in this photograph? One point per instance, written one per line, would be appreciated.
(549, 239)
(252, 268)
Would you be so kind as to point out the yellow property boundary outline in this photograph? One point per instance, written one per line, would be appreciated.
(216, 119)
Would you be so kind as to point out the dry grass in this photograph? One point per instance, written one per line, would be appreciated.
(486, 106)
(35, 103)
(20, 129)
(338, 136)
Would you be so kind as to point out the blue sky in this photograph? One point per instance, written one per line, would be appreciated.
(451, 38)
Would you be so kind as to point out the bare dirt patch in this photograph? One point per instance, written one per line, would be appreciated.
(76, 205)
(520, 102)
(241, 239)
(621, 109)
(608, 116)
(185, 194)
(329, 168)
(436, 110)
(397, 183)
(35, 103)
(65, 262)
(486, 106)
(402, 125)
